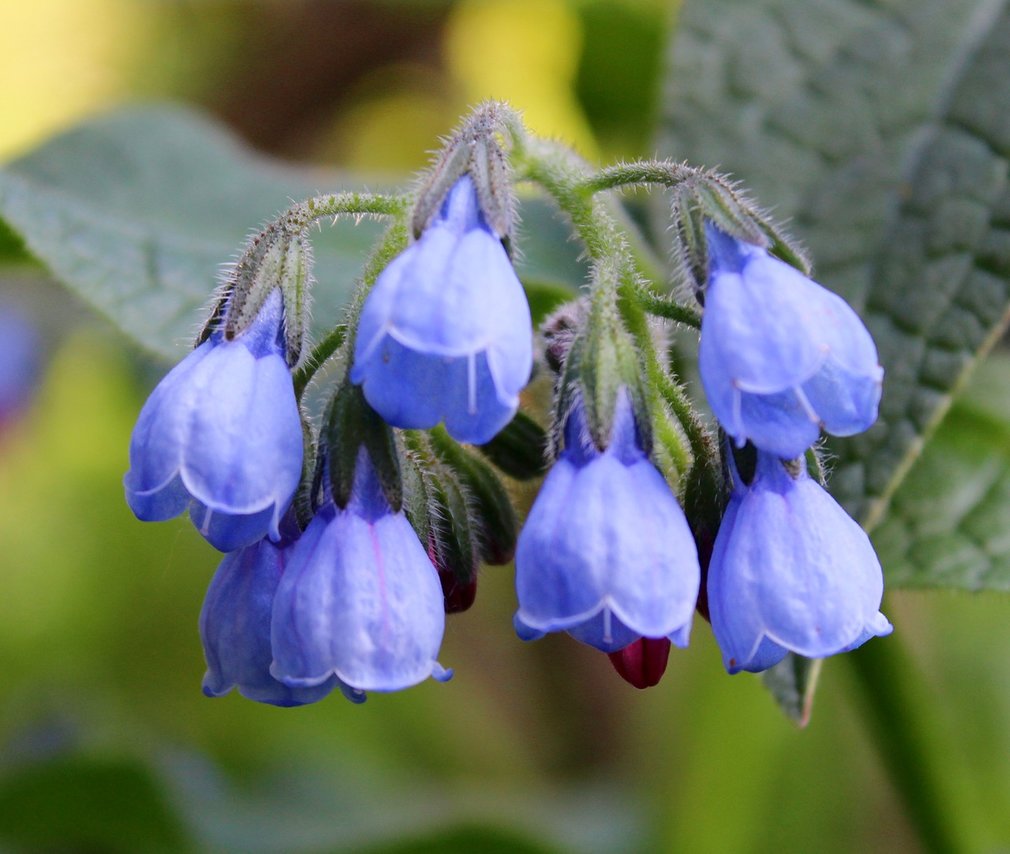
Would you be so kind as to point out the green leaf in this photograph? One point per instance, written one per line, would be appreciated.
(137, 210)
(948, 522)
(880, 129)
(792, 683)
(80, 804)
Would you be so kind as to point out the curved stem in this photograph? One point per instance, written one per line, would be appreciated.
(315, 360)
(564, 176)
(300, 216)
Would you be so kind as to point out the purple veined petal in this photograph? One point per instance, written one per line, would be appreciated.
(235, 629)
(360, 600)
(604, 535)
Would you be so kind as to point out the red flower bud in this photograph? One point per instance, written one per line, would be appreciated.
(643, 662)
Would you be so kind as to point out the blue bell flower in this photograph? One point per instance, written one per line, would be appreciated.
(359, 598)
(606, 553)
(790, 572)
(445, 334)
(780, 356)
(222, 434)
(235, 629)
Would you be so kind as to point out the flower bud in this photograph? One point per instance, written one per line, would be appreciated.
(642, 663)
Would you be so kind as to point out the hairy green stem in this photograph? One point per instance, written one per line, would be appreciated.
(300, 216)
(315, 360)
(564, 176)
(662, 306)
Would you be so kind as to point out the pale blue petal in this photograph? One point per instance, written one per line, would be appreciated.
(235, 629)
(227, 533)
(756, 326)
(780, 356)
(156, 445)
(605, 535)
(845, 403)
(791, 568)
(243, 446)
(767, 654)
(161, 504)
(445, 334)
(681, 637)
(359, 600)
(416, 391)
(524, 632)
(777, 423)
(222, 428)
(605, 632)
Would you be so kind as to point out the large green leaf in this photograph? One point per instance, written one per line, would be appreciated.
(137, 210)
(949, 522)
(880, 129)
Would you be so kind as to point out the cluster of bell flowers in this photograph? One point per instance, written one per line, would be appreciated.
(338, 571)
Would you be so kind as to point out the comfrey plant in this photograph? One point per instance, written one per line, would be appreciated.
(350, 534)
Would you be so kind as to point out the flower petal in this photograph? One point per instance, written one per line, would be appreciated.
(606, 536)
(235, 629)
(359, 600)
(153, 488)
(242, 450)
(790, 571)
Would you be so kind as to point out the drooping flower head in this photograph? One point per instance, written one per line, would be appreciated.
(445, 334)
(606, 553)
(359, 598)
(235, 629)
(790, 572)
(780, 356)
(222, 435)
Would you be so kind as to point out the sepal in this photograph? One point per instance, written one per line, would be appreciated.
(601, 361)
(448, 524)
(489, 504)
(520, 449)
(276, 257)
(713, 198)
(473, 149)
(351, 424)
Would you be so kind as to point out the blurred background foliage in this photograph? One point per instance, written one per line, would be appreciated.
(107, 744)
